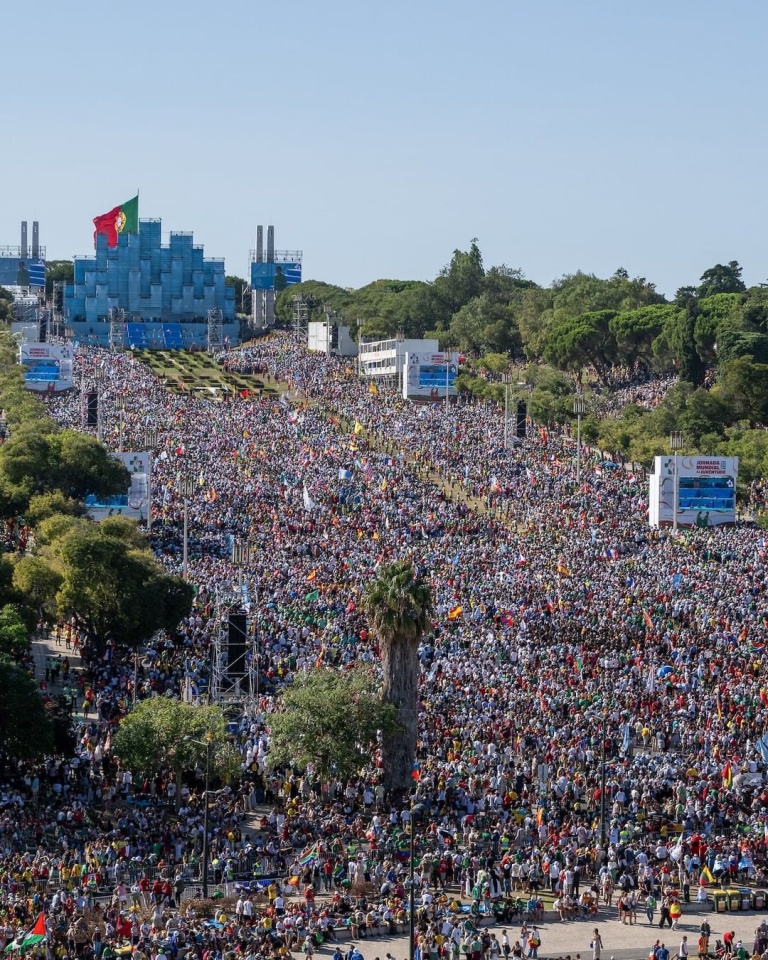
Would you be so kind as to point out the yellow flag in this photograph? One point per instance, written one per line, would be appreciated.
(358, 428)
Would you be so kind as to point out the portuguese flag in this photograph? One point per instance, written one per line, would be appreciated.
(36, 935)
(121, 219)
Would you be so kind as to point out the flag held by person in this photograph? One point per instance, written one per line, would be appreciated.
(36, 934)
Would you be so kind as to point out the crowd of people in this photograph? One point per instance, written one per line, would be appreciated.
(593, 692)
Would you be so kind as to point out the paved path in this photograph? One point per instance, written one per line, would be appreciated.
(47, 646)
(620, 941)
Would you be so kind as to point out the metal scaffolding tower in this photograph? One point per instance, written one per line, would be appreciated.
(301, 307)
(116, 330)
(215, 331)
(58, 308)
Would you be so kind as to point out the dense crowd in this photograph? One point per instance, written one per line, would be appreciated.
(578, 663)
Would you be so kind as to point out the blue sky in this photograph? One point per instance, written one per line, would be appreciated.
(563, 134)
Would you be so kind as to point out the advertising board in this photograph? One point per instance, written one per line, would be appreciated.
(136, 503)
(47, 366)
(706, 490)
(430, 376)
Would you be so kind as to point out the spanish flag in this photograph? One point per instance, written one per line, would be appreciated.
(562, 569)
(455, 612)
(727, 776)
(311, 576)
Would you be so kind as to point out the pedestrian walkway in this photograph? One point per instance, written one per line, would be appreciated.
(46, 647)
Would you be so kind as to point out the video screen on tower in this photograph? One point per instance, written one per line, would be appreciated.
(22, 272)
(274, 276)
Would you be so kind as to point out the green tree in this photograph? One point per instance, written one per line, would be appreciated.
(462, 280)
(14, 633)
(166, 734)
(45, 505)
(680, 334)
(722, 278)
(742, 388)
(583, 341)
(82, 465)
(485, 324)
(38, 583)
(636, 331)
(26, 731)
(398, 604)
(238, 284)
(739, 343)
(58, 270)
(114, 589)
(329, 719)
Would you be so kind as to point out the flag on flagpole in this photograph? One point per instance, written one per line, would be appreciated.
(309, 503)
(455, 612)
(123, 218)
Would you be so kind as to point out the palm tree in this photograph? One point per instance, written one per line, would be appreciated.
(398, 604)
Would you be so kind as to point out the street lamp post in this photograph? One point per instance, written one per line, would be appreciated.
(150, 442)
(207, 744)
(121, 412)
(578, 409)
(416, 811)
(602, 784)
(506, 379)
(676, 443)
(186, 488)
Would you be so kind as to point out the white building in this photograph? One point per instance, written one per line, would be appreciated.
(383, 361)
(325, 336)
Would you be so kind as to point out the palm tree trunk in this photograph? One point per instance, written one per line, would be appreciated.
(400, 662)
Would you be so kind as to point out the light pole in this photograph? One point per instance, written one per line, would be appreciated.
(150, 442)
(185, 487)
(207, 744)
(578, 409)
(120, 411)
(602, 783)
(506, 379)
(676, 443)
(416, 812)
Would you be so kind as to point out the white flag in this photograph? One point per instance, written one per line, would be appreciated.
(309, 503)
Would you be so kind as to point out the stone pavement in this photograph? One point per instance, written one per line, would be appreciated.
(573, 937)
(47, 646)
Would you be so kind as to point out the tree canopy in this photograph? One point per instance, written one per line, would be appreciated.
(107, 579)
(329, 721)
(162, 733)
